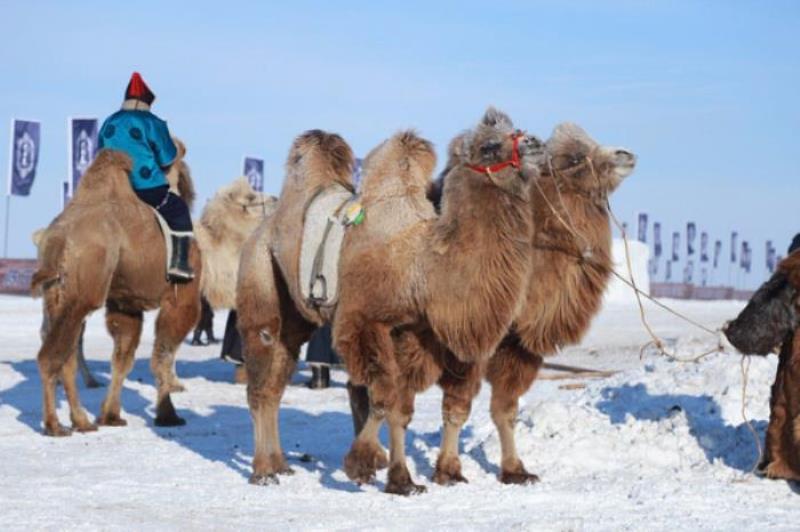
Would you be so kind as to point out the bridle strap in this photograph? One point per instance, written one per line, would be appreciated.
(513, 162)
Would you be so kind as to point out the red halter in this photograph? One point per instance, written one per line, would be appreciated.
(514, 161)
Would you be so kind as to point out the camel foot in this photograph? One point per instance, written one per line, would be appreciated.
(57, 430)
(363, 461)
(448, 478)
(260, 479)
(518, 477)
(400, 483)
(779, 470)
(169, 420)
(111, 420)
(84, 426)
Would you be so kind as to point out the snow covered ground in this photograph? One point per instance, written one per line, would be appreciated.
(660, 445)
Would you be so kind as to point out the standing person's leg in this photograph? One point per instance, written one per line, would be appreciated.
(320, 356)
(232, 342)
(205, 323)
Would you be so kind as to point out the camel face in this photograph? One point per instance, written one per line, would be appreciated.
(584, 164)
(769, 317)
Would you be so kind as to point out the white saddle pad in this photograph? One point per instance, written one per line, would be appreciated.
(165, 231)
(323, 232)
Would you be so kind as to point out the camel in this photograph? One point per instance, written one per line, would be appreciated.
(106, 248)
(275, 321)
(772, 319)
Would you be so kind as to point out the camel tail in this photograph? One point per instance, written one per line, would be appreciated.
(51, 251)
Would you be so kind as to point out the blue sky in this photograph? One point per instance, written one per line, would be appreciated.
(704, 92)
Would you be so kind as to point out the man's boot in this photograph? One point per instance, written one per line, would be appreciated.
(320, 377)
(179, 270)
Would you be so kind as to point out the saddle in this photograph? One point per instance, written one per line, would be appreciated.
(165, 232)
(325, 219)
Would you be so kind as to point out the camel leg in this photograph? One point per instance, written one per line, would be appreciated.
(460, 384)
(126, 329)
(272, 332)
(57, 348)
(89, 379)
(80, 421)
(367, 455)
(511, 372)
(398, 417)
(180, 309)
(359, 406)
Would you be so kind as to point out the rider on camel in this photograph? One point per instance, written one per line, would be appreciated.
(135, 130)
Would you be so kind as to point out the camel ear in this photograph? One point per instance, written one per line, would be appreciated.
(496, 119)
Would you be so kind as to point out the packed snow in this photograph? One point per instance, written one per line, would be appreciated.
(659, 445)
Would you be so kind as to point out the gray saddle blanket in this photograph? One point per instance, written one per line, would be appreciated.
(323, 232)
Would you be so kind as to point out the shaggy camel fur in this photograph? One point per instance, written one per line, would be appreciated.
(228, 219)
(570, 263)
(772, 318)
(106, 248)
(274, 320)
(457, 278)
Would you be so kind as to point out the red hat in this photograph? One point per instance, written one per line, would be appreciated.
(138, 90)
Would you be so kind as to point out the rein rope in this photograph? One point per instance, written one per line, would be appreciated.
(513, 162)
(656, 341)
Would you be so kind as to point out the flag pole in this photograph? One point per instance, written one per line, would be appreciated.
(5, 240)
(8, 191)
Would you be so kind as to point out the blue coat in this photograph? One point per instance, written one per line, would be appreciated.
(146, 139)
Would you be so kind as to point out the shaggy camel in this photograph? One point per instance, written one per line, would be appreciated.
(458, 278)
(106, 247)
(570, 261)
(180, 181)
(771, 319)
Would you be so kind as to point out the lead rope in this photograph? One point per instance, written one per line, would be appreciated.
(655, 340)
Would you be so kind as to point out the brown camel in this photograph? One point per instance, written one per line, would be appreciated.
(107, 248)
(570, 257)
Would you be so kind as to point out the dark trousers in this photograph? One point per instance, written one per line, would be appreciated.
(170, 206)
(232, 342)
(320, 348)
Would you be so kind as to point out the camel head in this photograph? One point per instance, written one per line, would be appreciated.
(318, 159)
(236, 210)
(772, 314)
(491, 145)
(401, 165)
(584, 164)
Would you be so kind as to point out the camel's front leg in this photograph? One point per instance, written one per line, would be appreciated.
(180, 309)
(367, 455)
(460, 384)
(511, 372)
(126, 330)
(399, 481)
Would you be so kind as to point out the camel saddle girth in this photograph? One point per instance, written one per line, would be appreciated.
(324, 224)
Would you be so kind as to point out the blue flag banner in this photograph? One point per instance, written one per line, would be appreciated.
(691, 234)
(65, 195)
(703, 247)
(25, 143)
(734, 238)
(688, 272)
(641, 235)
(717, 252)
(668, 273)
(676, 244)
(254, 171)
(772, 255)
(82, 148)
(357, 175)
(657, 247)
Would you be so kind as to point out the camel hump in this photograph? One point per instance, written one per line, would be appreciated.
(106, 179)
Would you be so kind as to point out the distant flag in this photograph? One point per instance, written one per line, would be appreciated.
(703, 247)
(745, 256)
(357, 175)
(734, 238)
(642, 233)
(653, 266)
(704, 276)
(82, 147)
(657, 247)
(676, 244)
(691, 234)
(25, 143)
(688, 272)
(668, 273)
(771, 257)
(717, 252)
(254, 171)
(65, 195)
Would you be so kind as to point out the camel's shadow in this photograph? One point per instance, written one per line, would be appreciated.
(222, 433)
(734, 445)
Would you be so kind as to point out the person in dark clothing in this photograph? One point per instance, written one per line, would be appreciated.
(205, 325)
(795, 245)
(146, 139)
(232, 341)
(320, 355)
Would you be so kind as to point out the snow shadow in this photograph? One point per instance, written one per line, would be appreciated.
(733, 445)
(222, 434)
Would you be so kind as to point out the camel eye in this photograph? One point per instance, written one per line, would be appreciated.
(490, 149)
